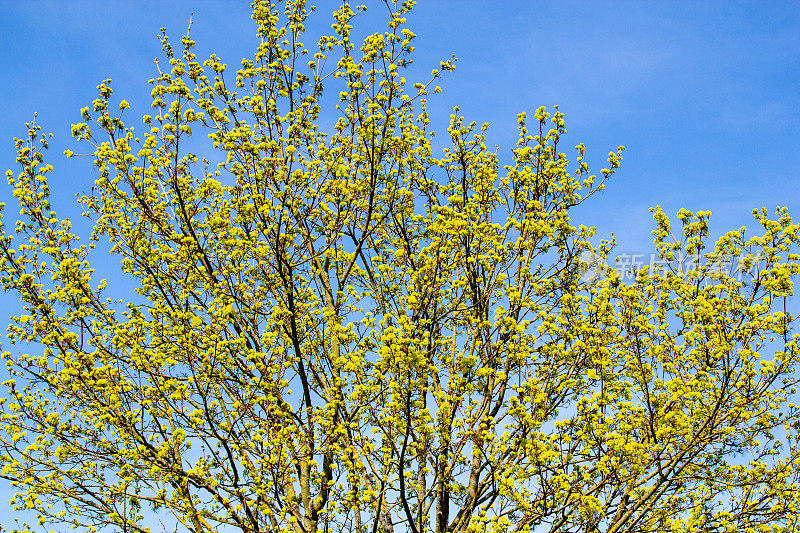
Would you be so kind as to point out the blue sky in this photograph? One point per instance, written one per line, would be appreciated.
(703, 95)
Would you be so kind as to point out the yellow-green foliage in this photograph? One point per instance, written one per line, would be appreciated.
(336, 330)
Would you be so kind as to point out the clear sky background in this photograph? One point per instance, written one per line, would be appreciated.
(703, 95)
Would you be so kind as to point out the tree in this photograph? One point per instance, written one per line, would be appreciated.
(335, 329)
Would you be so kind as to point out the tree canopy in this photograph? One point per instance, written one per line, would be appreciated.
(335, 328)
